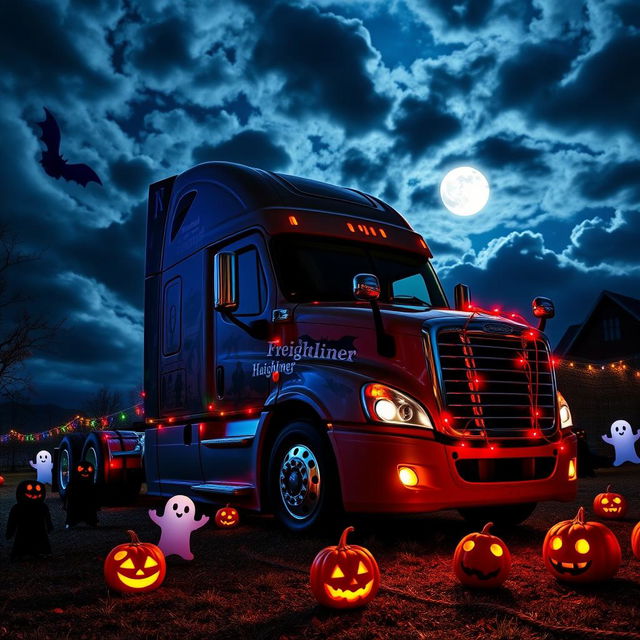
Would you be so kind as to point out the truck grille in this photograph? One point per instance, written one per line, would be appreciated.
(499, 386)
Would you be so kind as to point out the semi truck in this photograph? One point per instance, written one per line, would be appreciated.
(302, 358)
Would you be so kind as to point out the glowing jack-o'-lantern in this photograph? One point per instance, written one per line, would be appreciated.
(609, 505)
(482, 560)
(29, 491)
(345, 576)
(227, 517)
(635, 541)
(579, 551)
(135, 567)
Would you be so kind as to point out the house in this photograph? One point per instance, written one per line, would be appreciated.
(610, 332)
(599, 368)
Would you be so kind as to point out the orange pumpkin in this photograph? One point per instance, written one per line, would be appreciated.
(635, 541)
(345, 576)
(579, 551)
(482, 560)
(227, 517)
(609, 505)
(135, 567)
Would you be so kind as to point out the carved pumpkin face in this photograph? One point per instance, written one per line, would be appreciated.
(609, 505)
(482, 560)
(635, 541)
(85, 470)
(135, 567)
(579, 551)
(29, 492)
(227, 517)
(345, 576)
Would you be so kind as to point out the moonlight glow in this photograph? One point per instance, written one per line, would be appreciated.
(464, 191)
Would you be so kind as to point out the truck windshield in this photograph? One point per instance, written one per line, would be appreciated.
(312, 268)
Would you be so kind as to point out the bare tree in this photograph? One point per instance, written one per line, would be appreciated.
(21, 333)
(103, 403)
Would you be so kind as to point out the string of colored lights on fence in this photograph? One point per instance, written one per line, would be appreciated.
(76, 424)
(618, 365)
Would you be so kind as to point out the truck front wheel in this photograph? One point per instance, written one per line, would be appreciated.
(69, 454)
(302, 477)
(504, 515)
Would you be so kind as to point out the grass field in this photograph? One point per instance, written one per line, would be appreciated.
(252, 582)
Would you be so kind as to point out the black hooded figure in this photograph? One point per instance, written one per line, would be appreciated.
(81, 499)
(30, 521)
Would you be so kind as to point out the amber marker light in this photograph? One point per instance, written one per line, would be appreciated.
(408, 476)
(293, 221)
(572, 469)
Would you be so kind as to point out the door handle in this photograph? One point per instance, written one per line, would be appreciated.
(220, 381)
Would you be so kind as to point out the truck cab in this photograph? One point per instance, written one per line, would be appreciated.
(301, 357)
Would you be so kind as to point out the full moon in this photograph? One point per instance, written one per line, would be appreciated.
(464, 191)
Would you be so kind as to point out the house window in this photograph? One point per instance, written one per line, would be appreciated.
(611, 329)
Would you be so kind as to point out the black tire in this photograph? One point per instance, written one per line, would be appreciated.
(507, 515)
(69, 454)
(121, 489)
(303, 479)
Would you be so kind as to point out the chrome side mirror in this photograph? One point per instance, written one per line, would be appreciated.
(543, 308)
(225, 279)
(366, 286)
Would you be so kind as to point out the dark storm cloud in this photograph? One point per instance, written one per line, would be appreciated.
(629, 13)
(254, 148)
(513, 269)
(530, 78)
(426, 197)
(613, 242)
(502, 152)
(41, 51)
(358, 167)
(467, 13)
(323, 59)
(421, 125)
(163, 47)
(603, 95)
(131, 175)
(621, 179)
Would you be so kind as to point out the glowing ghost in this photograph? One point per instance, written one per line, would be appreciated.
(623, 440)
(177, 523)
(43, 465)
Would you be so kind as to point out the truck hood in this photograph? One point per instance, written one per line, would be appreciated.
(401, 318)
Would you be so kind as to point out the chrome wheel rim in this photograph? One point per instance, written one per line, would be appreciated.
(299, 482)
(92, 457)
(64, 468)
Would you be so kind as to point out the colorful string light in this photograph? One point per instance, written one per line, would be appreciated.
(78, 423)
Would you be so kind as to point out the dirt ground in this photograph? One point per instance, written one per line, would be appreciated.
(252, 582)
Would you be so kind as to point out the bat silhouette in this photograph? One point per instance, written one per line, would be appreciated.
(53, 163)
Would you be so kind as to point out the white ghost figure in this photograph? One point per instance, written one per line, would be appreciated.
(623, 440)
(177, 523)
(43, 465)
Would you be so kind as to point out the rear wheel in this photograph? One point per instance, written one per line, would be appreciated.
(117, 485)
(504, 515)
(303, 481)
(69, 454)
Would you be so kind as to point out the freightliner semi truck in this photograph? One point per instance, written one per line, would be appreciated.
(301, 357)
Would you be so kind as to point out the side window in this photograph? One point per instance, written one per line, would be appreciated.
(252, 287)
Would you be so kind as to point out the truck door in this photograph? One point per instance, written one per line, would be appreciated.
(241, 386)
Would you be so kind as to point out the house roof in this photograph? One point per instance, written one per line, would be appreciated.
(567, 338)
(630, 305)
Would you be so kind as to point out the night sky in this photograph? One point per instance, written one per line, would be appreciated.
(384, 96)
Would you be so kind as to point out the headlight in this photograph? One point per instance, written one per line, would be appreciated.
(565, 413)
(384, 404)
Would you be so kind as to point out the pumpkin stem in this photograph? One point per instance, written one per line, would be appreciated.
(608, 489)
(343, 538)
(134, 537)
(580, 516)
(486, 527)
